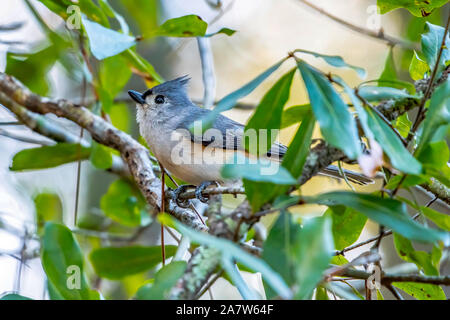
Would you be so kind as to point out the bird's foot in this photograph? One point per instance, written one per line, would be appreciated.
(184, 203)
(201, 188)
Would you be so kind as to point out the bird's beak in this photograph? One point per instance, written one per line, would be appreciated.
(136, 96)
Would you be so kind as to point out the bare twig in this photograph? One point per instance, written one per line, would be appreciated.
(379, 35)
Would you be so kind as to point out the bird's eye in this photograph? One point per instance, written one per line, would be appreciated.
(159, 99)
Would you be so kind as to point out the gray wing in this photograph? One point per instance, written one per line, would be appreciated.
(224, 133)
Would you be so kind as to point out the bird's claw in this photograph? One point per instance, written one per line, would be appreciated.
(184, 203)
(201, 188)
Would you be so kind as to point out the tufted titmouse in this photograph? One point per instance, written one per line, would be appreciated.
(165, 114)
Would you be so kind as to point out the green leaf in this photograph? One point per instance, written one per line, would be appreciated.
(256, 170)
(48, 208)
(312, 253)
(277, 249)
(142, 65)
(431, 44)
(421, 291)
(231, 99)
(63, 263)
(144, 13)
(267, 115)
(106, 42)
(294, 114)
(123, 203)
(185, 26)
(442, 220)
(336, 61)
(400, 157)
(88, 7)
(113, 75)
(48, 156)
(14, 296)
(373, 93)
(165, 279)
(421, 259)
(321, 293)
(347, 225)
(418, 67)
(227, 31)
(233, 252)
(389, 72)
(403, 125)
(417, 8)
(336, 124)
(362, 115)
(33, 68)
(101, 156)
(120, 116)
(387, 212)
(260, 193)
(434, 158)
(119, 262)
(438, 114)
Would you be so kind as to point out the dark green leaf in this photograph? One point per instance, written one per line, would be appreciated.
(312, 253)
(347, 225)
(277, 249)
(124, 203)
(442, 220)
(421, 259)
(165, 279)
(421, 291)
(336, 124)
(106, 42)
(388, 212)
(48, 156)
(63, 263)
(119, 262)
(294, 114)
(372, 93)
(336, 61)
(431, 44)
(268, 115)
(257, 170)
(294, 160)
(438, 114)
(14, 296)
(392, 145)
(233, 252)
(389, 72)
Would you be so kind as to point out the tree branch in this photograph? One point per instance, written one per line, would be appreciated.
(133, 153)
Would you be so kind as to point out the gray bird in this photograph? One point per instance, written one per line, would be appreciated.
(165, 114)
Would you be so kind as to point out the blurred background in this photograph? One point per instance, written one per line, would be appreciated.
(266, 31)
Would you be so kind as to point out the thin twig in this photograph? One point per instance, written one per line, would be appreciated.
(379, 35)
